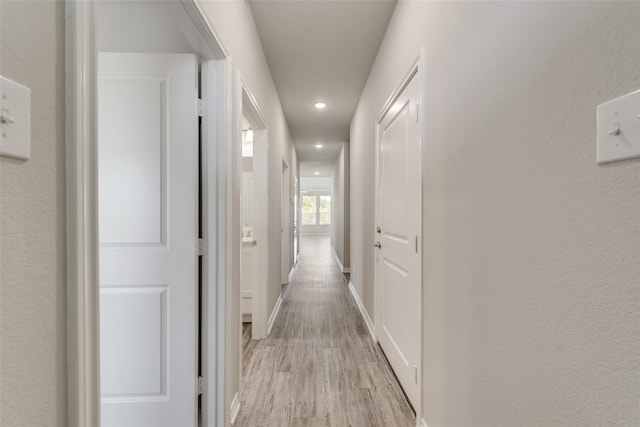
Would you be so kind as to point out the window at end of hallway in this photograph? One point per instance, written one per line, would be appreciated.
(316, 209)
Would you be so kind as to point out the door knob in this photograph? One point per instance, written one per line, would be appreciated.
(378, 245)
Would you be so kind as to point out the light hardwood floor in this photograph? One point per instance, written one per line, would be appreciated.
(319, 366)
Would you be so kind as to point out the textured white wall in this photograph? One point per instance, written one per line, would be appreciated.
(32, 221)
(531, 251)
(233, 22)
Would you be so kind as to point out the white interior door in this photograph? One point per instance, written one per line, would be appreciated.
(284, 237)
(398, 274)
(148, 183)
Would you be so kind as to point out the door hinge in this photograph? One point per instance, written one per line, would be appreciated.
(415, 374)
(417, 113)
(200, 384)
(416, 244)
(200, 108)
(200, 247)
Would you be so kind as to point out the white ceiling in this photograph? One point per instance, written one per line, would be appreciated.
(320, 50)
(309, 168)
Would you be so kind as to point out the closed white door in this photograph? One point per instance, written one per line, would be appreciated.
(284, 236)
(148, 186)
(398, 275)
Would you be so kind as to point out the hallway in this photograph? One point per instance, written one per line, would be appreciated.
(319, 366)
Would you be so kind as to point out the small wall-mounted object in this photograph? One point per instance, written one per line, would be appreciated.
(15, 120)
(618, 133)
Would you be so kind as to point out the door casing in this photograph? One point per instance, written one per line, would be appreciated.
(248, 106)
(417, 70)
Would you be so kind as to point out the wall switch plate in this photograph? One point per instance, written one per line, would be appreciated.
(618, 133)
(15, 120)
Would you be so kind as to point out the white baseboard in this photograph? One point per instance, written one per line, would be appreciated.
(235, 407)
(335, 255)
(293, 269)
(363, 311)
(274, 314)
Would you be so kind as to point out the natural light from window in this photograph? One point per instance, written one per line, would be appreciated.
(316, 209)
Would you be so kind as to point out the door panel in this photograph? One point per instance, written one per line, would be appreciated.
(148, 184)
(398, 275)
(136, 319)
(133, 161)
(395, 175)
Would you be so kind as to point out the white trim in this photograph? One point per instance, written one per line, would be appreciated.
(274, 314)
(215, 135)
(235, 408)
(293, 270)
(423, 423)
(363, 312)
(83, 341)
(192, 20)
(336, 257)
(335, 254)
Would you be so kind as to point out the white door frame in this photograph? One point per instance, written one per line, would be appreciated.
(418, 71)
(83, 339)
(247, 106)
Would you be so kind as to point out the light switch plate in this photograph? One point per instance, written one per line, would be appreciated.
(15, 120)
(618, 131)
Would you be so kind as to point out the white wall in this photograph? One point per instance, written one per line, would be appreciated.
(315, 183)
(531, 251)
(340, 206)
(32, 224)
(233, 22)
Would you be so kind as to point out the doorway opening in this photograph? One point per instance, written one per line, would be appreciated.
(250, 321)
(143, 176)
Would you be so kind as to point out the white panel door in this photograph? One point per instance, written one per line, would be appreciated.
(285, 205)
(398, 275)
(148, 183)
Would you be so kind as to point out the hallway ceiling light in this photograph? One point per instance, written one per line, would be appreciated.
(317, 173)
(319, 145)
(320, 105)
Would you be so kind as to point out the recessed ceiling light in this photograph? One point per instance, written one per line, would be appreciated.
(317, 173)
(320, 105)
(318, 145)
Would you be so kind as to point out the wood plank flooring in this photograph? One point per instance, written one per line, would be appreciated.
(319, 366)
